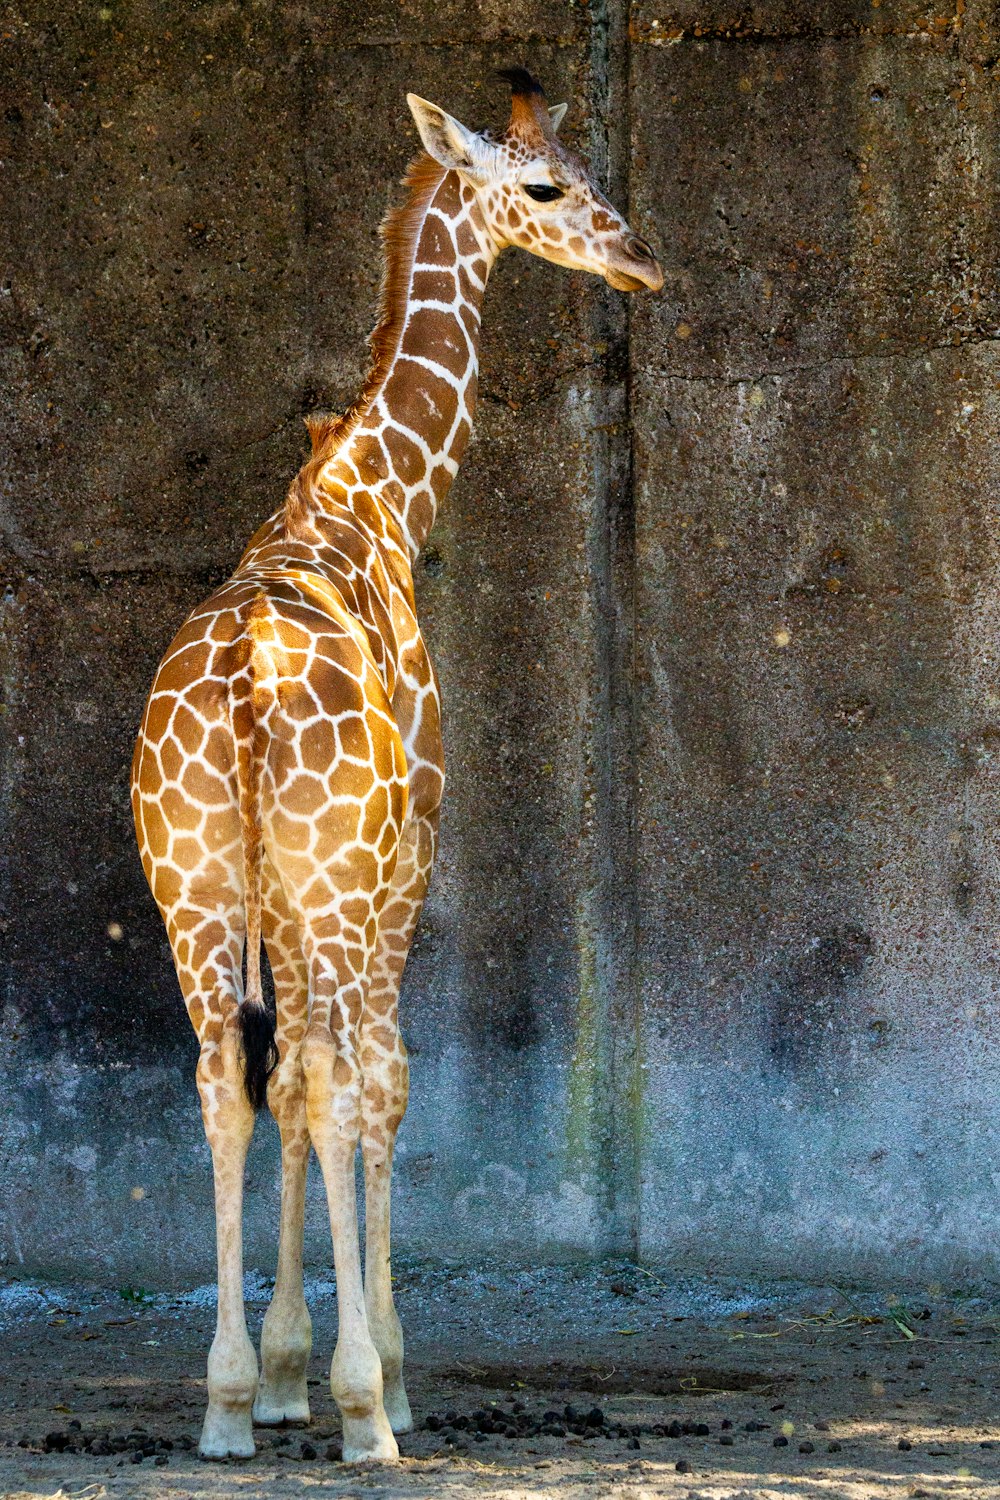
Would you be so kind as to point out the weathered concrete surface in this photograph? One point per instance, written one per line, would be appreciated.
(817, 486)
(708, 970)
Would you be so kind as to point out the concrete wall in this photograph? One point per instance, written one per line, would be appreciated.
(708, 974)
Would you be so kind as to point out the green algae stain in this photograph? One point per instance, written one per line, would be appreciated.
(585, 1087)
(607, 1116)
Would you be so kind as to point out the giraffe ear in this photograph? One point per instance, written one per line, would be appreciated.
(447, 139)
(556, 114)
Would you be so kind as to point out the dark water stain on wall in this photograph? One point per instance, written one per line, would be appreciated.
(809, 1001)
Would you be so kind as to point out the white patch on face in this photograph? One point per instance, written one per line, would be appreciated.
(538, 172)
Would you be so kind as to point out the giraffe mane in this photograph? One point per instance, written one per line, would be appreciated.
(399, 230)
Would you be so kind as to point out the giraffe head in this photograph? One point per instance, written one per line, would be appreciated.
(534, 193)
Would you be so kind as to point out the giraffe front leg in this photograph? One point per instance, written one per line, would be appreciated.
(286, 1337)
(232, 1361)
(337, 890)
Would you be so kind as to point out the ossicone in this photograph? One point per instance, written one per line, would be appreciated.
(522, 83)
(528, 109)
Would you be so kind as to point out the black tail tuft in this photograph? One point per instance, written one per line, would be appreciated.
(260, 1055)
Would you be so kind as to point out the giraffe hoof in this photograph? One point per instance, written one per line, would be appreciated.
(397, 1406)
(275, 1405)
(369, 1440)
(227, 1434)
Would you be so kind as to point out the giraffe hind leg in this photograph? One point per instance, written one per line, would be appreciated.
(385, 1091)
(333, 1104)
(286, 1337)
(229, 1120)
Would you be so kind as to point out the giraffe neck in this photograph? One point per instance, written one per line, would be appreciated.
(402, 442)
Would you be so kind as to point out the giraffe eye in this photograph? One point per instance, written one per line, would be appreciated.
(543, 192)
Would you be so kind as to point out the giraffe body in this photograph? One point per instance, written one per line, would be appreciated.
(288, 773)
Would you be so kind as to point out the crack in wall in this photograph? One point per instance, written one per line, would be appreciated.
(888, 356)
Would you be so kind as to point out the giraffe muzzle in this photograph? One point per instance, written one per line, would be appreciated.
(636, 268)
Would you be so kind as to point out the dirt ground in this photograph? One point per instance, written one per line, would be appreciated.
(702, 1389)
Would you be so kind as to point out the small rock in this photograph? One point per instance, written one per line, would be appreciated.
(334, 1452)
(137, 1456)
(822, 1426)
(833, 1447)
(904, 1445)
(807, 1447)
(781, 1442)
(307, 1451)
(161, 1460)
(727, 1440)
(682, 1466)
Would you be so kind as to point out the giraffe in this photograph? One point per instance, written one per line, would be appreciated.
(288, 772)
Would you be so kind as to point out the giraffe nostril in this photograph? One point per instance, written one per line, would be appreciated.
(639, 248)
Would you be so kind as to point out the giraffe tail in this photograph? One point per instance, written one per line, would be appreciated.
(256, 1024)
